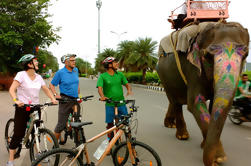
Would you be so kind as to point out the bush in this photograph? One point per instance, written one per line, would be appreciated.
(136, 77)
(82, 75)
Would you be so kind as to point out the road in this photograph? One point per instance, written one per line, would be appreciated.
(152, 108)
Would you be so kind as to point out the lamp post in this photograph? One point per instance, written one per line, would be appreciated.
(98, 4)
(118, 34)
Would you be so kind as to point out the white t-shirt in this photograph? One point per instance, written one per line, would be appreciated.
(28, 91)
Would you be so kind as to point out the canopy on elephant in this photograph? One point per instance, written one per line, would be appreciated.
(184, 37)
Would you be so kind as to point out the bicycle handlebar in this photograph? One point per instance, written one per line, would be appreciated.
(77, 99)
(37, 105)
(121, 101)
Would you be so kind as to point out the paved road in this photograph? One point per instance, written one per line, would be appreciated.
(153, 105)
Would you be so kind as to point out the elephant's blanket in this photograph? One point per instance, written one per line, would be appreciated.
(184, 39)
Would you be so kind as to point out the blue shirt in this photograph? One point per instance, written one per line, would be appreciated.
(68, 81)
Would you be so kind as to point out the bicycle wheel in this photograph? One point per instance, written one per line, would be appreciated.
(9, 131)
(143, 155)
(66, 157)
(47, 141)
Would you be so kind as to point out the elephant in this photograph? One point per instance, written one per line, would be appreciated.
(211, 68)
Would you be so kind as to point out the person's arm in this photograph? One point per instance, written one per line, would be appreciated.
(53, 90)
(49, 94)
(129, 90)
(101, 94)
(78, 89)
(12, 92)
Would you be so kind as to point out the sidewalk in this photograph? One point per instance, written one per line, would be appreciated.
(157, 88)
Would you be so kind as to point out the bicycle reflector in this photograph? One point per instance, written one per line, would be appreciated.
(28, 108)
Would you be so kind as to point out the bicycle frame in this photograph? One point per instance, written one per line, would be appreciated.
(83, 147)
(35, 117)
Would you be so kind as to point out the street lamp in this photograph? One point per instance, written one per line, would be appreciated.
(118, 34)
(98, 4)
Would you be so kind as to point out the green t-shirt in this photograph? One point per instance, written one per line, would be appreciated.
(245, 88)
(112, 86)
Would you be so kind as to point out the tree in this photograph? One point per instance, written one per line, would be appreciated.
(143, 56)
(23, 26)
(83, 66)
(46, 57)
(125, 49)
(106, 53)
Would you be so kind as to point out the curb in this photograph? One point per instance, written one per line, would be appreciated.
(157, 88)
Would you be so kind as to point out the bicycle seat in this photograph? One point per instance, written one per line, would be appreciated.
(79, 124)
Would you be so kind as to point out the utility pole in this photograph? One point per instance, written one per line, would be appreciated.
(98, 4)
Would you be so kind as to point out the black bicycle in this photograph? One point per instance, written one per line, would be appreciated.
(37, 139)
(75, 116)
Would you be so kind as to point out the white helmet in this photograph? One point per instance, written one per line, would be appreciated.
(67, 56)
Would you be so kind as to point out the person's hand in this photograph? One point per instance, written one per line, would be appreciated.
(54, 101)
(129, 93)
(19, 103)
(58, 97)
(103, 98)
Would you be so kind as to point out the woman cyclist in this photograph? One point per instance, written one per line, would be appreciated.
(25, 90)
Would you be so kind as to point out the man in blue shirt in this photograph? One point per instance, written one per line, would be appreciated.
(68, 81)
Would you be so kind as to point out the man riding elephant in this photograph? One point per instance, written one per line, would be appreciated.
(208, 70)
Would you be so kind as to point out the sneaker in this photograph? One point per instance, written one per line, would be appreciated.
(10, 163)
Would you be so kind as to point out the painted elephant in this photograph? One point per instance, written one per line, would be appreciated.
(211, 67)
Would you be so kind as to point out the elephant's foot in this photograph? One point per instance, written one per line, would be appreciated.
(170, 122)
(221, 159)
(220, 155)
(182, 135)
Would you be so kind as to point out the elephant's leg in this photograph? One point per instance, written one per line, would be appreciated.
(181, 133)
(198, 107)
(170, 117)
(220, 156)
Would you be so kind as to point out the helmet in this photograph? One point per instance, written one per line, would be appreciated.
(107, 61)
(26, 59)
(67, 56)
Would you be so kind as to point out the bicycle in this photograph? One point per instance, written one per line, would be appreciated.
(37, 138)
(73, 117)
(129, 149)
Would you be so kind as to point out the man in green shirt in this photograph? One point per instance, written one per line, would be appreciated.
(110, 87)
(242, 95)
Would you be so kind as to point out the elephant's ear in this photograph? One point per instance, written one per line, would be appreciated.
(194, 57)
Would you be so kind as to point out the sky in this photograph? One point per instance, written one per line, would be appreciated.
(129, 19)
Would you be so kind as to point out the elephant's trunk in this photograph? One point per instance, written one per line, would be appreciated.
(227, 67)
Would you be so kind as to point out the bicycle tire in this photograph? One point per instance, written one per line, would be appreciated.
(51, 140)
(49, 155)
(232, 117)
(9, 135)
(148, 154)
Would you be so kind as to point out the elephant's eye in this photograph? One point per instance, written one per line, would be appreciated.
(241, 50)
(215, 49)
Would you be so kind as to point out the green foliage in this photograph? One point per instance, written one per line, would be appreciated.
(133, 77)
(83, 66)
(82, 75)
(136, 77)
(46, 57)
(23, 26)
